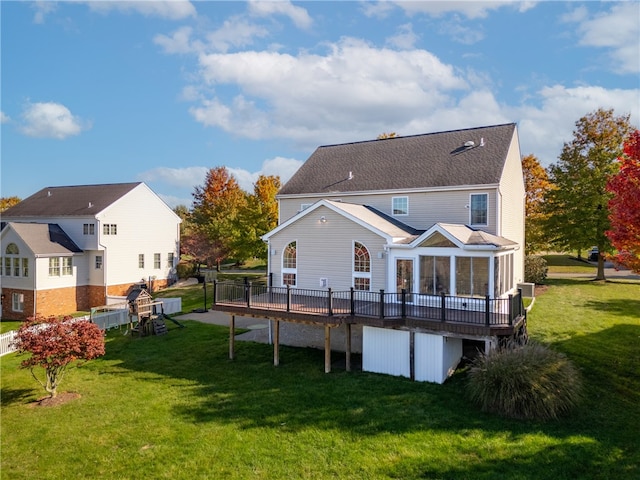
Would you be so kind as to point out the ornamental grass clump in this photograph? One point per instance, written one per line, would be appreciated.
(54, 343)
(528, 381)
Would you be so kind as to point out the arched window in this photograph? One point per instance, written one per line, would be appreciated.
(361, 267)
(12, 265)
(290, 264)
(12, 249)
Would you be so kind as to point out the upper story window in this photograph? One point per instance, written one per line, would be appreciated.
(290, 264)
(54, 267)
(110, 229)
(89, 229)
(170, 258)
(141, 260)
(156, 261)
(478, 210)
(98, 262)
(400, 205)
(12, 249)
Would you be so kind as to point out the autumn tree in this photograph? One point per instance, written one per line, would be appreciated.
(576, 206)
(624, 207)
(8, 202)
(385, 135)
(536, 183)
(259, 216)
(216, 207)
(54, 343)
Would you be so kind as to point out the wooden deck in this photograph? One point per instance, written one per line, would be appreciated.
(460, 316)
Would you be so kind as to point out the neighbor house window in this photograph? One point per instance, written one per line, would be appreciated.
(290, 264)
(304, 206)
(67, 266)
(400, 205)
(17, 302)
(89, 229)
(170, 260)
(361, 267)
(54, 267)
(98, 262)
(156, 261)
(141, 260)
(478, 209)
(110, 229)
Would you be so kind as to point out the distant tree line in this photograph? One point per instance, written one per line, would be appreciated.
(591, 196)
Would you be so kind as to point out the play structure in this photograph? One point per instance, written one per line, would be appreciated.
(147, 317)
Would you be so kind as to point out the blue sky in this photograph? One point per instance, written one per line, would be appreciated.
(108, 92)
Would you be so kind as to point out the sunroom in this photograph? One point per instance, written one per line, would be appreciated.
(453, 260)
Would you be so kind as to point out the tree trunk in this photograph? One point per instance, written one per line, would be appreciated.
(600, 273)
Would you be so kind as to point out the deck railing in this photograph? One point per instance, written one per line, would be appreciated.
(383, 305)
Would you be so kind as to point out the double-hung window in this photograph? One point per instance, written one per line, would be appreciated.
(400, 205)
(141, 260)
(89, 229)
(479, 209)
(156, 261)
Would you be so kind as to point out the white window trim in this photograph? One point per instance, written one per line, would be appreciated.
(486, 195)
(289, 270)
(353, 266)
(393, 199)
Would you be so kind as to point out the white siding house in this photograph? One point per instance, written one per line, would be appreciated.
(82, 244)
(431, 225)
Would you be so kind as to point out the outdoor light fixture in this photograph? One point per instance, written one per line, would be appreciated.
(323, 219)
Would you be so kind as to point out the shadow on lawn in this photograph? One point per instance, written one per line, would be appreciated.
(250, 392)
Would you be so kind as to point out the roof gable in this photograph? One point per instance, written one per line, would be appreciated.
(474, 156)
(79, 200)
(462, 236)
(364, 215)
(45, 239)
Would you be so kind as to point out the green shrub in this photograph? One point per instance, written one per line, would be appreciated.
(528, 381)
(535, 269)
(185, 270)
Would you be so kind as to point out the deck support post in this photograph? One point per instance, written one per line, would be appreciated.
(327, 349)
(347, 346)
(232, 337)
(276, 343)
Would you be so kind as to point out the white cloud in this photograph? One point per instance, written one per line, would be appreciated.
(298, 15)
(470, 9)
(617, 30)
(354, 88)
(51, 120)
(42, 8)
(4, 118)
(544, 128)
(178, 42)
(170, 9)
(190, 177)
(235, 32)
(405, 39)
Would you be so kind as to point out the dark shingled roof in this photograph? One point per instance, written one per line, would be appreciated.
(70, 201)
(413, 162)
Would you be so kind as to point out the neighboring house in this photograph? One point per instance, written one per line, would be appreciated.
(65, 249)
(432, 220)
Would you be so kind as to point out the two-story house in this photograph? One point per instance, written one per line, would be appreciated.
(426, 231)
(65, 249)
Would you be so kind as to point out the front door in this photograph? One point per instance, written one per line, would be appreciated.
(404, 277)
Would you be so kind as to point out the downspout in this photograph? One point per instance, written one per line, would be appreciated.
(104, 261)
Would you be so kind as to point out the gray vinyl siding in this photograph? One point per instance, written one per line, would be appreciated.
(327, 255)
(425, 208)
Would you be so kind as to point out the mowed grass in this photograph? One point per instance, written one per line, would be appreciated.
(176, 407)
(564, 263)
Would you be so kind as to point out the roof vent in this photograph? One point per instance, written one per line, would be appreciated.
(469, 144)
(48, 193)
(350, 177)
(90, 204)
(482, 141)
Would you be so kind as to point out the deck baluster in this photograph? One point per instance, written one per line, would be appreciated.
(487, 310)
(381, 303)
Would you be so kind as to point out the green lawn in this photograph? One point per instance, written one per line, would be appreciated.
(564, 263)
(175, 407)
